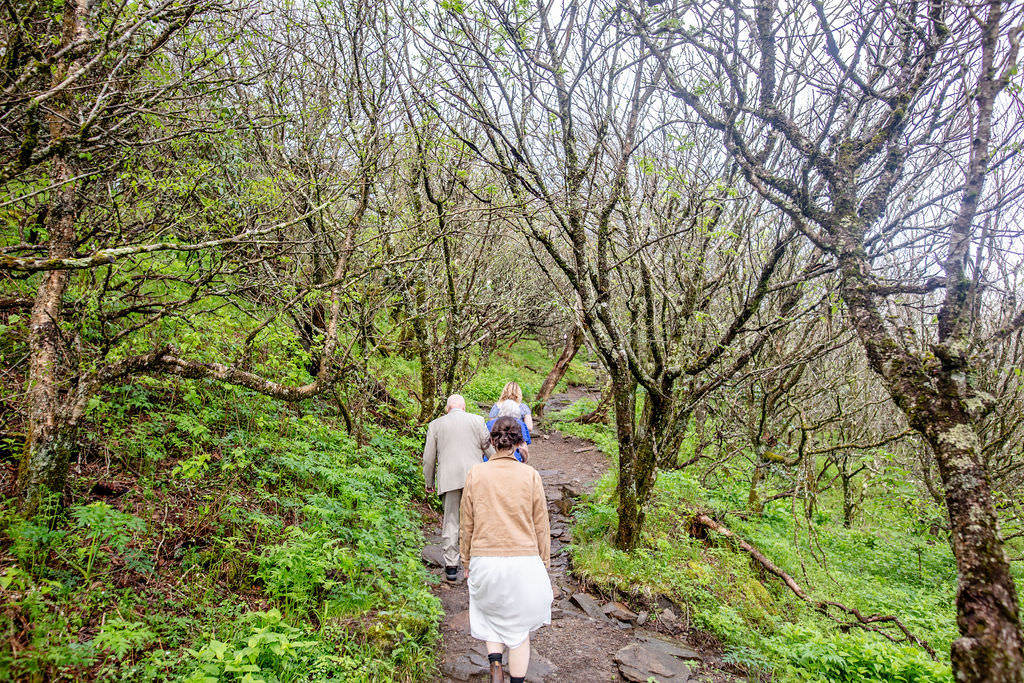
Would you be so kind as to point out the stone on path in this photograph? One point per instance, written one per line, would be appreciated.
(669, 646)
(589, 605)
(433, 555)
(460, 622)
(563, 505)
(569, 609)
(572, 489)
(539, 669)
(639, 662)
(463, 668)
(616, 610)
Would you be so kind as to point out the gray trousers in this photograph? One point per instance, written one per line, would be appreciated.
(450, 527)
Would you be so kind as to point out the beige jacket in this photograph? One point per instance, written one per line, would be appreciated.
(504, 512)
(455, 442)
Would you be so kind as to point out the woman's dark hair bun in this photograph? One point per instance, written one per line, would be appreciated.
(506, 433)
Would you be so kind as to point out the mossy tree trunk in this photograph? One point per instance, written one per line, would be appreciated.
(630, 505)
(990, 646)
(52, 423)
(847, 498)
(851, 194)
(646, 443)
(754, 503)
(50, 438)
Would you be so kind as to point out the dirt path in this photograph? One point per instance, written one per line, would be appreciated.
(587, 633)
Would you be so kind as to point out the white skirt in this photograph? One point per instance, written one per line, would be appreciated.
(508, 598)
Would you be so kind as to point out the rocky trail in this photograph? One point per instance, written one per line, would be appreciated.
(591, 638)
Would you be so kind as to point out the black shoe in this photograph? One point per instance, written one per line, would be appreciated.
(451, 574)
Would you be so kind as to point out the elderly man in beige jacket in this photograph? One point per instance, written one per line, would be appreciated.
(455, 442)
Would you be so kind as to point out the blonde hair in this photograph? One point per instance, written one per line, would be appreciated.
(512, 392)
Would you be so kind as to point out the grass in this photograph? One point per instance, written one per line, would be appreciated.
(243, 541)
(883, 564)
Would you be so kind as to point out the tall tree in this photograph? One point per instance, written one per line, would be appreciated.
(875, 128)
(82, 85)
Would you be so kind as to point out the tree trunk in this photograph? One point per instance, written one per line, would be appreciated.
(990, 646)
(639, 451)
(44, 466)
(50, 439)
(847, 499)
(428, 387)
(754, 503)
(573, 342)
(700, 418)
(52, 382)
(428, 374)
(627, 533)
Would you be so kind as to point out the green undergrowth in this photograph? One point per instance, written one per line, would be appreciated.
(211, 534)
(881, 565)
(214, 535)
(602, 435)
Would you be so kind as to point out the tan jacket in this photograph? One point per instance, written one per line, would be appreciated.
(455, 442)
(504, 512)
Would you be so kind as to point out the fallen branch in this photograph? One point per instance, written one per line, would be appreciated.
(14, 303)
(872, 622)
(599, 415)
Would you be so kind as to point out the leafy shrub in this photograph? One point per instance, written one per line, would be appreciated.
(237, 495)
(855, 658)
(120, 637)
(33, 539)
(99, 523)
(297, 570)
(270, 651)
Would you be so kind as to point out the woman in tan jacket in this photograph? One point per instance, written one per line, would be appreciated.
(506, 539)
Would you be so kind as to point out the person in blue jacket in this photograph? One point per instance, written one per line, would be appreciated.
(510, 408)
(513, 392)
